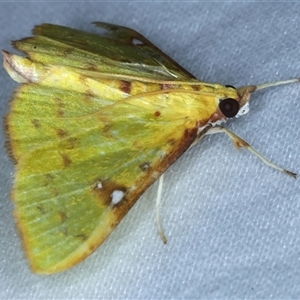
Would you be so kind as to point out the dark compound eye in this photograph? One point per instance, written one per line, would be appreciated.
(229, 107)
(230, 86)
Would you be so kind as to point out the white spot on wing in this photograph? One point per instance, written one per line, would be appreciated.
(155, 174)
(116, 196)
(99, 185)
(162, 153)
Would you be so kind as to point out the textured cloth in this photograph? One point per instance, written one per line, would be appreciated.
(232, 223)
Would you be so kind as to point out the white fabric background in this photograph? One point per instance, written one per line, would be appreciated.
(232, 223)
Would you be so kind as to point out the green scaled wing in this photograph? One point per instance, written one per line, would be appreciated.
(90, 129)
(122, 51)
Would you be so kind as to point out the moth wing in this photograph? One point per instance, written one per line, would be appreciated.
(121, 52)
(79, 169)
(86, 149)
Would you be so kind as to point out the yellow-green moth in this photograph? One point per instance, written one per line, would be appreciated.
(96, 120)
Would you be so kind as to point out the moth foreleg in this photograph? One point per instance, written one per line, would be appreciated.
(240, 143)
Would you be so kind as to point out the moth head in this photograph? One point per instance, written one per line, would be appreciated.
(244, 94)
(238, 104)
(231, 103)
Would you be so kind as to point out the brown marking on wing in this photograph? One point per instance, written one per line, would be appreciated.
(62, 216)
(171, 142)
(60, 107)
(145, 166)
(48, 179)
(61, 133)
(71, 143)
(36, 123)
(92, 248)
(125, 86)
(157, 113)
(167, 86)
(9, 151)
(65, 52)
(8, 143)
(136, 145)
(103, 194)
(82, 236)
(66, 160)
(41, 209)
(196, 87)
(106, 130)
(88, 95)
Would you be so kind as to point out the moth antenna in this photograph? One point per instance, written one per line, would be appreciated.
(158, 202)
(276, 83)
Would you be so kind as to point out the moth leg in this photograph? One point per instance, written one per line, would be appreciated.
(158, 198)
(201, 133)
(240, 143)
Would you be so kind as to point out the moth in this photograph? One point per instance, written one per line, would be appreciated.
(96, 120)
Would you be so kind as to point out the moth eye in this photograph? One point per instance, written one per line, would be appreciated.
(229, 107)
(230, 86)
